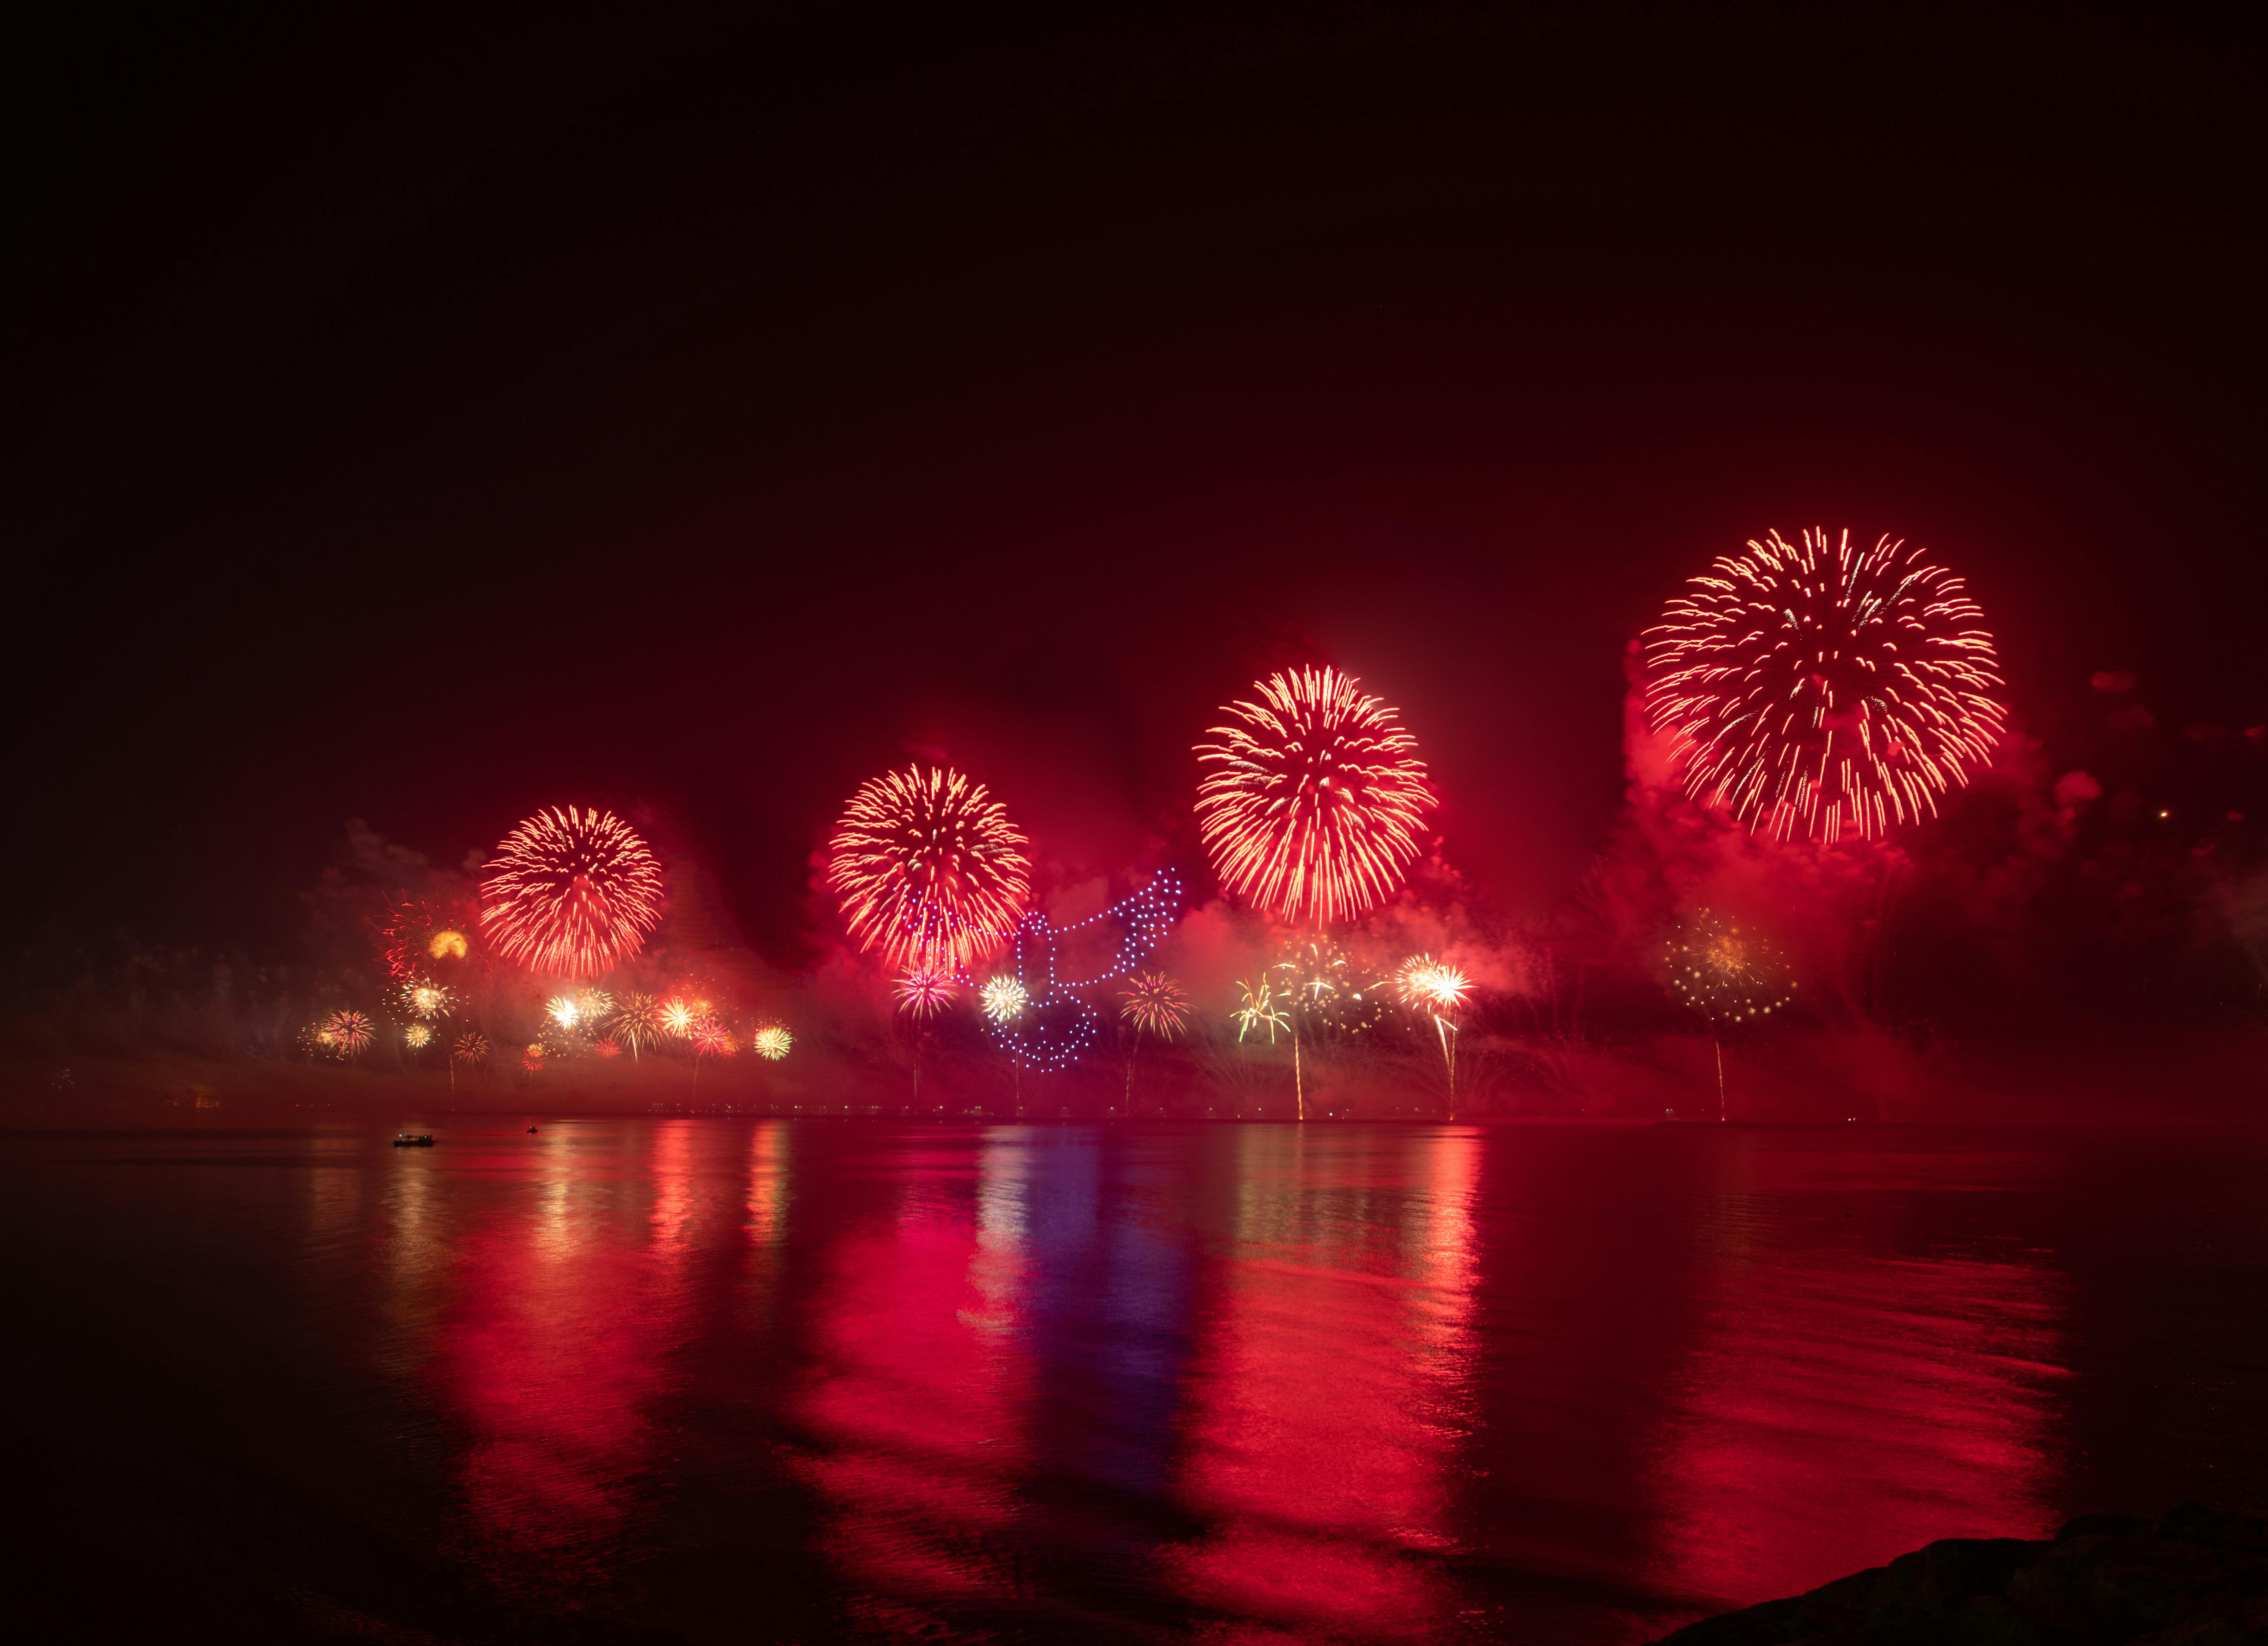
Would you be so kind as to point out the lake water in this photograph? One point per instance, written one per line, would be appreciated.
(709, 1379)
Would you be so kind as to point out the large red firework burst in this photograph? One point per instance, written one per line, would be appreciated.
(571, 892)
(1312, 799)
(1818, 689)
(928, 870)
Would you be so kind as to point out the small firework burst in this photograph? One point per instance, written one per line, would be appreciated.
(637, 1023)
(1313, 799)
(1723, 972)
(923, 992)
(418, 1036)
(532, 1059)
(1437, 990)
(772, 1042)
(347, 1034)
(1155, 1004)
(1816, 688)
(929, 868)
(1319, 985)
(419, 933)
(1003, 998)
(680, 1018)
(571, 892)
(471, 1049)
(711, 1038)
(1262, 1008)
(565, 1010)
(606, 1047)
(1431, 985)
(428, 999)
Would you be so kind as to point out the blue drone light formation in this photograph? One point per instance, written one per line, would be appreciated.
(1056, 1025)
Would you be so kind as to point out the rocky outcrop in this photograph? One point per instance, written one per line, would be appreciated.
(2196, 1578)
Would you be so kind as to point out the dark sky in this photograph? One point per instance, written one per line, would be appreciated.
(422, 419)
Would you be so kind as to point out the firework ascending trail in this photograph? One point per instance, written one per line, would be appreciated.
(571, 892)
(929, 868)
(1818, 689)
(1725, 976)
(1312, 799)
(1437, 990)
(1155, 1004)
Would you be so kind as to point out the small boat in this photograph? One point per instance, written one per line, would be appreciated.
(412, 1140)
(531, 1131)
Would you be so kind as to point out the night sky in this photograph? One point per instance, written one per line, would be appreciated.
(423, 420)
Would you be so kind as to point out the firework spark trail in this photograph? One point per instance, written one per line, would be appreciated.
(1817, 689)
(929, 868)
(1313, 798)
(571, 892)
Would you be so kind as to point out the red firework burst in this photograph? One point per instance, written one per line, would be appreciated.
(571, 892)
(928, 870)
(923, 992)
(1312, 799)
(1815, 689)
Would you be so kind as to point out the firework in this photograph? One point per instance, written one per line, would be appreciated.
(606, 1045)
(1722, 973)
(347, 1034)
(929, 868)
(472, 1048)
(1312, 799)
(771, 1042)
(419, 932)
(923, 992)
(571, 892)
(1437, 990)
(638, 1023)
(532, 1059)
(1155, 1004)
(1431, 985)
(563, 1010)
(418, 1036)
(1815, 689)
(1319, 985)
(1261, 1010)
(427, 999)
(1003, 998)
(711, 1038)
(680, 1018)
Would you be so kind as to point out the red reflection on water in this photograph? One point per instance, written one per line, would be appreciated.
(554, 1354)
(1839, 1407)
(1328, 1394)
(919, 1401)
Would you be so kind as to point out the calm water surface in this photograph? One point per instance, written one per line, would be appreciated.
(722, 1380)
